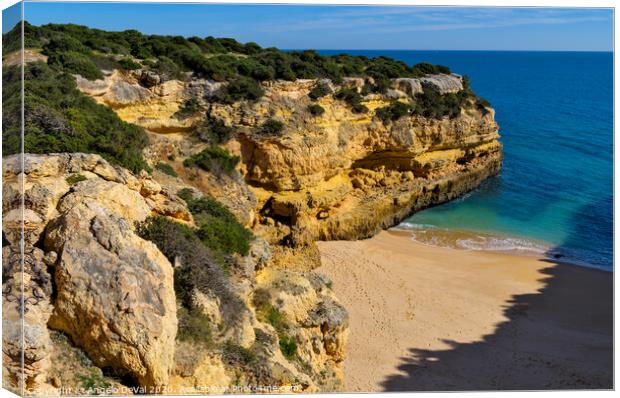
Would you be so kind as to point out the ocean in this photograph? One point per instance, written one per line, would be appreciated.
(555, 191)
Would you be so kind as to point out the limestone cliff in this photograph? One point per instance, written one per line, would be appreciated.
(264, 318)
(340, 175)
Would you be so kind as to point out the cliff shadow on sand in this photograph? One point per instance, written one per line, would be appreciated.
(559, 337)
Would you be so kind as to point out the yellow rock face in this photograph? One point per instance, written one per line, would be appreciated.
(341, 175)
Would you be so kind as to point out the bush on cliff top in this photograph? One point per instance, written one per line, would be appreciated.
(215, 58)
(394, 111)
(59, 118)
(353, 98)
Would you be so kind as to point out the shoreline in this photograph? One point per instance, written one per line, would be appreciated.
(539, 249)
(424, 318)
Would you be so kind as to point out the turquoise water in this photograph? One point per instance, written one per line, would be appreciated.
(555, 111)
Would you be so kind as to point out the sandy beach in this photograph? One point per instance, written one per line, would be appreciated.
(431, 318)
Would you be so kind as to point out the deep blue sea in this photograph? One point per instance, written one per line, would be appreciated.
(555, 192)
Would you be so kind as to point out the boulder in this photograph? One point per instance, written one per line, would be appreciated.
(443, 84)
(409, 86)
(115, 295)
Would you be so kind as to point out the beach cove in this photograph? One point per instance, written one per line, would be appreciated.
(430, 318)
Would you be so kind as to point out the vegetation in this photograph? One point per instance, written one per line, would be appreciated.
(318, 91)
(267, 313)
(316, 109)
(218, 229)
(166, 169)
(200, 267)
(270, 127)
(220, 59)
(288, 347)
(194, 326)
(59, 118)
(75, 63)
(93, 383)
(189, 108)
(353, 99)
(75, 178)
(241, 88)
(432, 105)
(213, 130)
(213, 158)
(394, 111)
(236, 354)
(129, 64)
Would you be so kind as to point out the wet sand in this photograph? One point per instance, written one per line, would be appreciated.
(430, 318)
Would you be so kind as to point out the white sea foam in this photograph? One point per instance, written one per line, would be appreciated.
(467, 240)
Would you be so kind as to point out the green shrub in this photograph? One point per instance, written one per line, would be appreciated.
(77, 63)
(425, 68)
(200, 268)
(60, 118)
(194, 326)
(75, 178)
(62, 43)
(218, 228)
(213, 130)
(353, 99)
(166, 169)
(270, 127)
(129, 64)
(268, 314)
(433, 105)
(318, 91)
(288, 346)
(394, 111)
(316, 109)
(241, 88)
(213, 158)
(190, 107)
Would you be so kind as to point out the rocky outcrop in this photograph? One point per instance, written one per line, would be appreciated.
(114, 292)
(443, 84)
(89, 275)
(341, 175)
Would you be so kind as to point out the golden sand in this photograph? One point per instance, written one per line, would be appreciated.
(432, 318)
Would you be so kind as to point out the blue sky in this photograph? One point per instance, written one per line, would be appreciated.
(351, 27)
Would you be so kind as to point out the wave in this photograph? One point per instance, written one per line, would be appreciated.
(474, 241)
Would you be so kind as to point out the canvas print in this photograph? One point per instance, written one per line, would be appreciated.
(253, 198)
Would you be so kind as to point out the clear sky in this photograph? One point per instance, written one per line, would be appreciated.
(350, 27)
